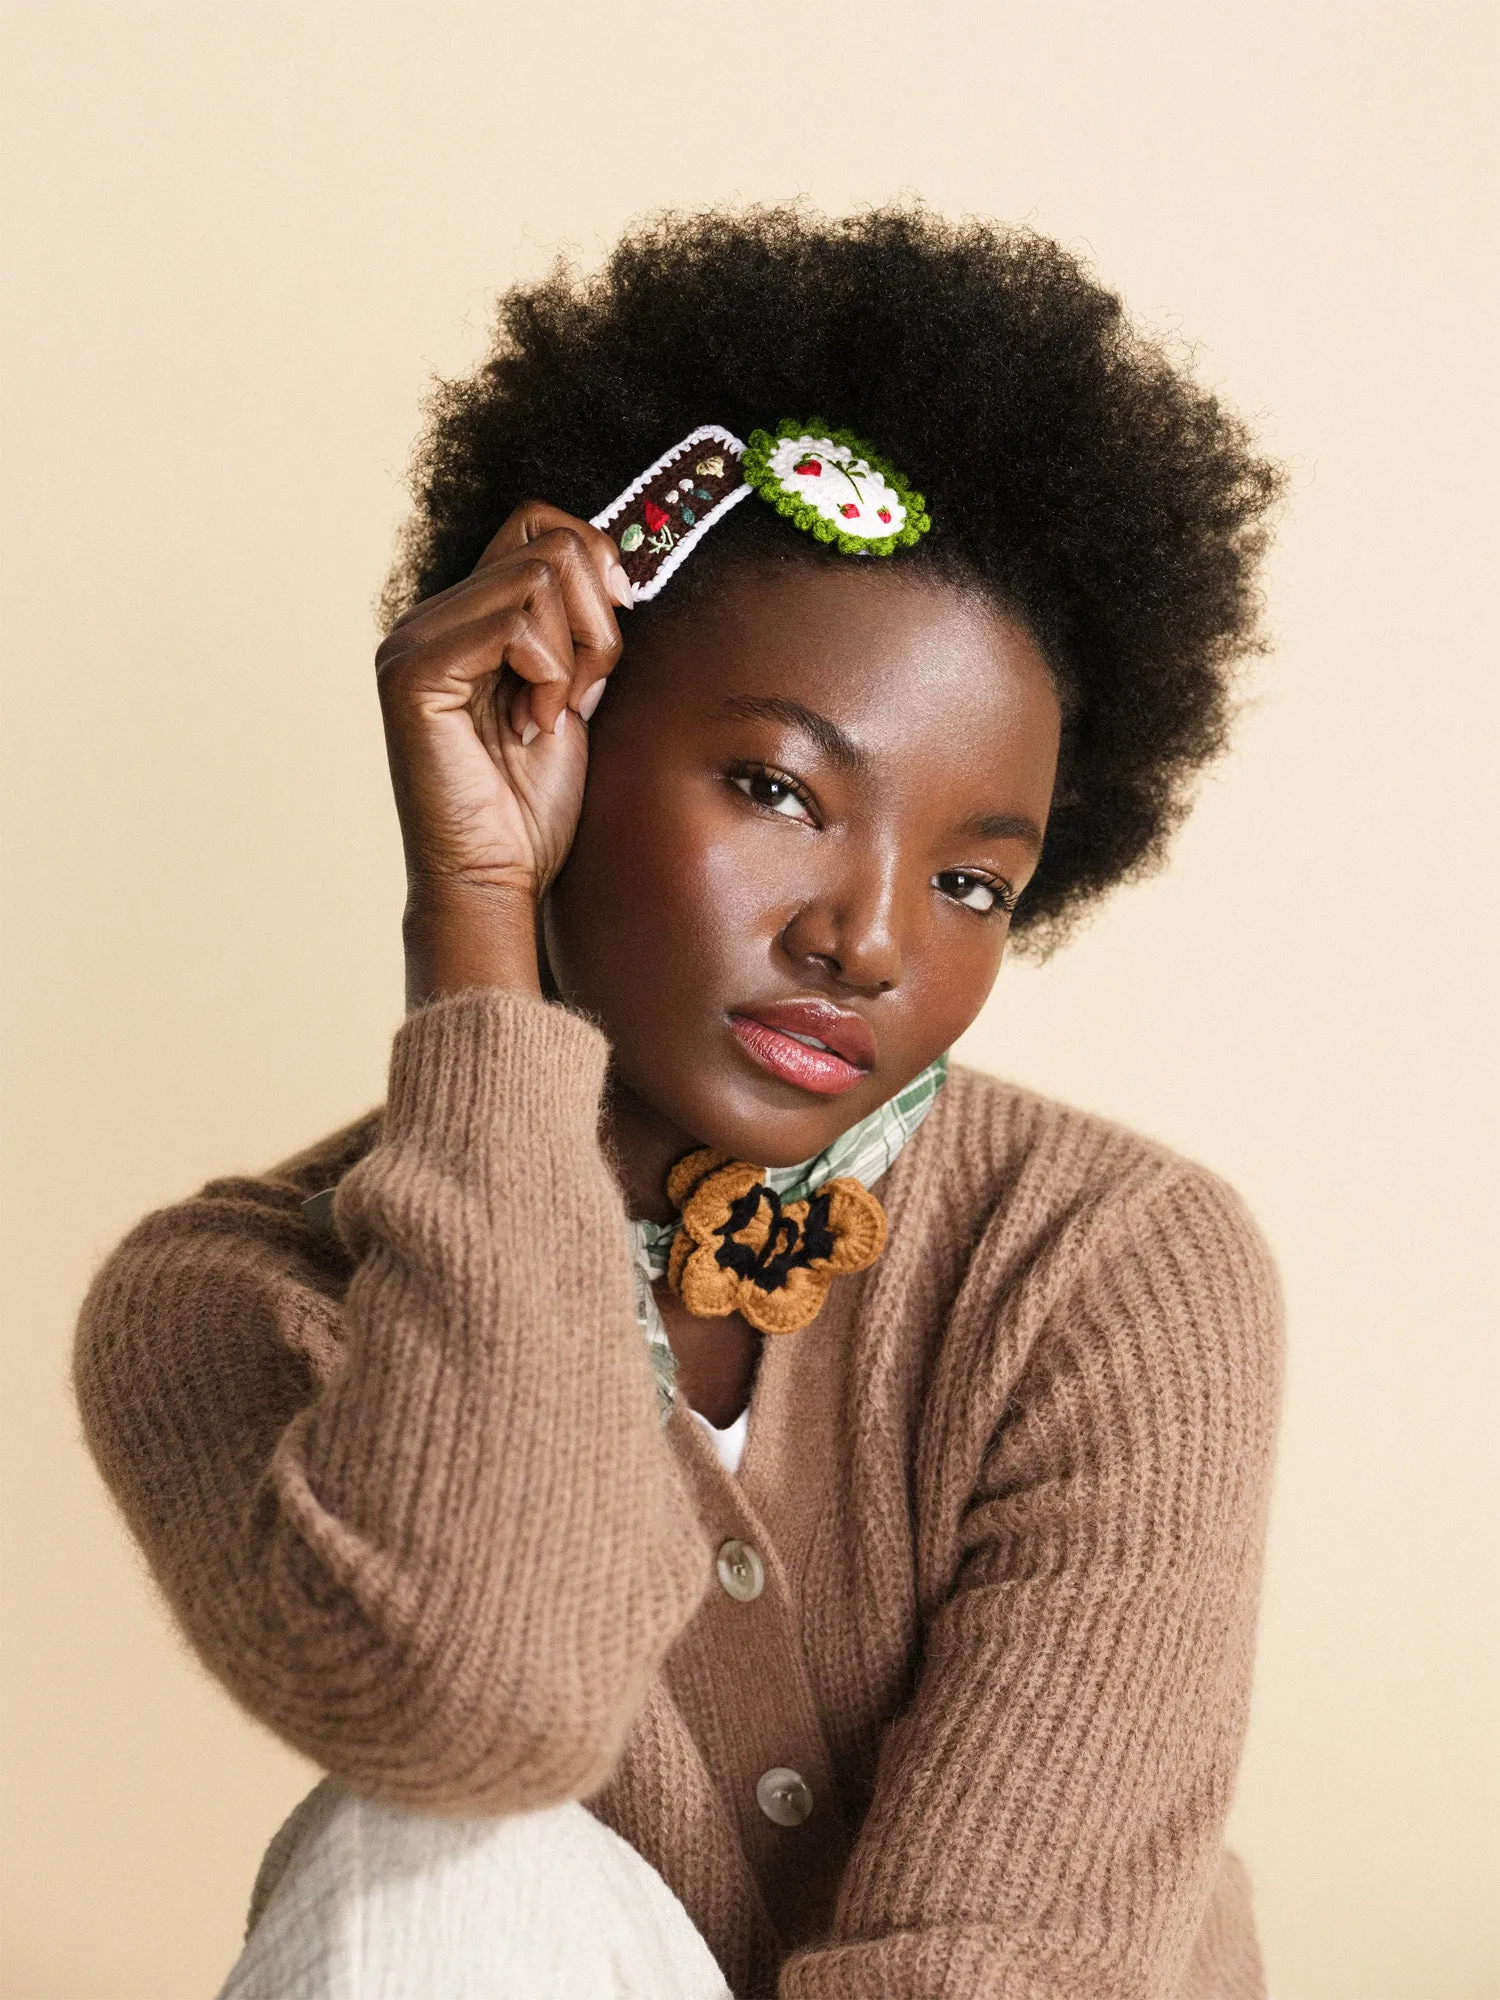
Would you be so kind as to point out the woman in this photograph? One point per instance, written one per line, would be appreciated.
(871, 1545)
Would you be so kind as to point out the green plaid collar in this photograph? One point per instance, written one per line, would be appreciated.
(864, 1153)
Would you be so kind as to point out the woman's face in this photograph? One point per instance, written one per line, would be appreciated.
(810, 799)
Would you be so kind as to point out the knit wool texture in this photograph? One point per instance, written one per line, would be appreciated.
(409, 1497)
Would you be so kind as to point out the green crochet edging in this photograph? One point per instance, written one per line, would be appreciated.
(756, 468)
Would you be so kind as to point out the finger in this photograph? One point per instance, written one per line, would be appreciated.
(516, 586)
(556, 579)
(512, 708)
(523, 525)
(534, 519)
(520, 717)
(574, 553)
(448, 672)
(581, 634)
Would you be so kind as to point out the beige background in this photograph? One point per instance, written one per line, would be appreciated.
(241, 237)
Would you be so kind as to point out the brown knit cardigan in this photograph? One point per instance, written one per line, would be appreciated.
(407, 1491)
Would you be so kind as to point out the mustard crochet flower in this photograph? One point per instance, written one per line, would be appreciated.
(742, 1249)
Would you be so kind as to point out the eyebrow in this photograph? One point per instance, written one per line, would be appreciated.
(845, 752)
(1005, 826)
(836, 746)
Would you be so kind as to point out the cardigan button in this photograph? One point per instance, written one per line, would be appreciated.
(784, 1796)
(741, 1571)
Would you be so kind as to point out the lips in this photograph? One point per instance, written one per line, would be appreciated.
(809, 1043)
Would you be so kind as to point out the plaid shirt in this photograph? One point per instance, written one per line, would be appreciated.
(863, 1153)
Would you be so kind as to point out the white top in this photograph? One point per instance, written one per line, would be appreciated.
(728, 1443)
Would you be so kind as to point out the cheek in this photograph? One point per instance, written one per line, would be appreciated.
(702, 905)
(949, 980)
(665, 898)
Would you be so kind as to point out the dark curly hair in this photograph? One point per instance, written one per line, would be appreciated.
(1073, 471)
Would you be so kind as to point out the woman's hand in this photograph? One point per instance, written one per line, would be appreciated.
(486, 690)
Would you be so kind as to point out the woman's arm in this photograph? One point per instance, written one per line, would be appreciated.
(429, 1532)
(1048, 1815)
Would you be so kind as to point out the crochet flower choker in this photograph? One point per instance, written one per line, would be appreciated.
(767, 1242)
(820, 479)
(740, 1248)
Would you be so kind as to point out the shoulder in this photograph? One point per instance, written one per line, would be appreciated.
(238, 1254)
(307, 1172)
(990, 1145)
(264, 1206)
(1113, 1314)
(1086, 1222)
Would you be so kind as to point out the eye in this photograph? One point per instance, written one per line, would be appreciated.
(976, 892)
(775, 791)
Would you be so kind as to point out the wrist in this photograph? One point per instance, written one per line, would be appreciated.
(459, 935)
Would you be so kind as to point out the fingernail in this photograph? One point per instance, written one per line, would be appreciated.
(561, 722)
(620, 588)
(530, 733)
(590, 700)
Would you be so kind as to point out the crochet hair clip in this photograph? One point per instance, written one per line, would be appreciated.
(823, 480)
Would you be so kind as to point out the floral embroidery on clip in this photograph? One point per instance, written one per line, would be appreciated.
(830, 483)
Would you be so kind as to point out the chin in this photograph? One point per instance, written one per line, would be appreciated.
(733, 1117)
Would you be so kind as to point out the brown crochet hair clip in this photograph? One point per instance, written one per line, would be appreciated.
(662, 516)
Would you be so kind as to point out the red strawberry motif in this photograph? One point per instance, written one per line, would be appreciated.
(885, 513)
(811, 466)
(656, 520)
(849, 510)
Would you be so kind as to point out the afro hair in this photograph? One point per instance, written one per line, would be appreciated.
(1073, 470)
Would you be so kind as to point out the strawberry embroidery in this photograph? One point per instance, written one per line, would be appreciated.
(656, 520)
(828, 483)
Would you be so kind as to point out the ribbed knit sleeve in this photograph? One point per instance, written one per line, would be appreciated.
(419, 1517)
(1049, 1811)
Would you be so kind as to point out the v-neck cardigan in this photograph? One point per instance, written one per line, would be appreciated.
(408, 1493)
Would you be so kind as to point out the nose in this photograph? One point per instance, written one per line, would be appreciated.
(849, 928)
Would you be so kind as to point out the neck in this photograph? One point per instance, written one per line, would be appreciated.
(644, 1147)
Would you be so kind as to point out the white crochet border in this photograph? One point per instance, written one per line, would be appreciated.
(706, 433)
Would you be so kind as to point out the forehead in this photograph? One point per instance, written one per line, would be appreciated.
(878, 649)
